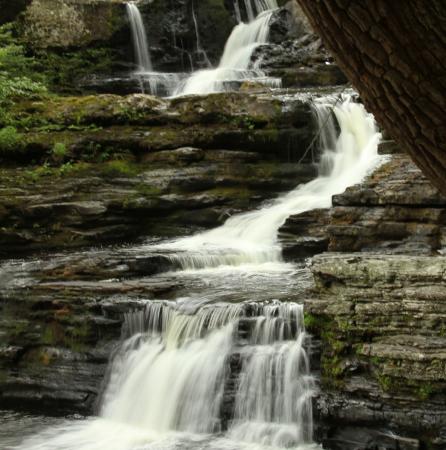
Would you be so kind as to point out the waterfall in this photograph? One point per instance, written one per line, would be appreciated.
(235, 62)
(172, 374)
(200, 50)
(252, 237)
(273, 401)
(254, 7)
(139, 37)
(155, 83)
(200, 373)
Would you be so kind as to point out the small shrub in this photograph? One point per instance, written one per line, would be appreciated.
(10, 140)
(59, 150)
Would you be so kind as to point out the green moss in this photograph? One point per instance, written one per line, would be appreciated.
(19, 328)
(119, 168)
(385, 382)
(315, 324)
(231, 192)
(3, 376)
(148, 190)
(63, 69)
(73, 336)
(46, 170)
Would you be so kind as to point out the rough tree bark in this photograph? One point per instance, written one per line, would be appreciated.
(394, 53)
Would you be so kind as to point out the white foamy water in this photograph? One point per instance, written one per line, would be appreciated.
(236, 64)
(252, 237)
(172, 381)
(139, 38)
(192, 374)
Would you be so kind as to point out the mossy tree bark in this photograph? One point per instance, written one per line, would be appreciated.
(394, 53)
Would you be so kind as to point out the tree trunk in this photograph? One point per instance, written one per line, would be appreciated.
(394, 53)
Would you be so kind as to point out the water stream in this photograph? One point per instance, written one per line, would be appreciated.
(236, 64)
(150, 81)
(204, 371)
(139, 38)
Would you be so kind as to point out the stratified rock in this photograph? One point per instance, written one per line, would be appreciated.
(379, 315)
(295, 53)
(304, 234)
(396, 210)
(130, 166)
(382, 320)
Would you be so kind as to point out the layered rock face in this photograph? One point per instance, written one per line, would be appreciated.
(105, 168)
(295, 53)
(380, 314)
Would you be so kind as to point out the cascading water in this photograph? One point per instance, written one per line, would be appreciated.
(157, 83)
(200, 50)
(235, 64)
(139, 37)
(173, 375)
(252, 237)
(201, 373)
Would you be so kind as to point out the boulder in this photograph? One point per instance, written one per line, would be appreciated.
(65, 24)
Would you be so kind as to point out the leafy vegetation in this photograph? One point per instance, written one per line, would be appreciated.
(59, 150)
(19, 74)
(10, 139)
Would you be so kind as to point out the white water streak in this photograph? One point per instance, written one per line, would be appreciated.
(235, 63)
(252, 237)
(139, 37)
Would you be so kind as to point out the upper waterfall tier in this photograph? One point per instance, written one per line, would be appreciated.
(236, 62)
(139, 37)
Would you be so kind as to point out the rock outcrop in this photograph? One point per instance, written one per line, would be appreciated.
(85, 170)
(65, 24)
(380, 314)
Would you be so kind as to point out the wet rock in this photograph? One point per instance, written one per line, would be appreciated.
(304, 234)
(295, 53)
(385, 313)
(138, 165)
(377, 309)
(183, 35)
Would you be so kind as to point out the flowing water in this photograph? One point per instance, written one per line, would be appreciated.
(150, 81)
(226, 366)
(236, 64)
(252, 237)
(139, 37)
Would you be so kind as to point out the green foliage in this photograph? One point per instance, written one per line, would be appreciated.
(45, 170)
(62, 70)
(10, 140)
(19, 74)
(59, 150)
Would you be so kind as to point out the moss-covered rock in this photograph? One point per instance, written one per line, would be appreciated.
(71, 23)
